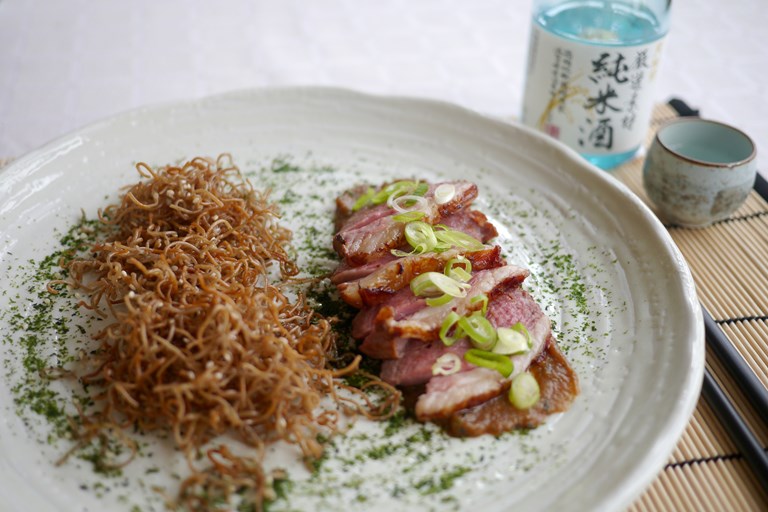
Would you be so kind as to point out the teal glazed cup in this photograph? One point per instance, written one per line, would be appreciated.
(698, 171)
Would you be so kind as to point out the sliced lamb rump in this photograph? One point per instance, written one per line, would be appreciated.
(425, 323)
(371, 232)
(397, 274)
(447, 394)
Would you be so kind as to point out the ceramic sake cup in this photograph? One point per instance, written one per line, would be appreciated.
(699, 171)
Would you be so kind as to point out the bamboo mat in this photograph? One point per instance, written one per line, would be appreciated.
(706, 471)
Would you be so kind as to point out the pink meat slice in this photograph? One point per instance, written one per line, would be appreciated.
(425, 323)
(345, 272)
(397, 274)
(346, 202)
(447, 394)
(472, 222)
(371, 232)
(416, 358)
(414, 366)
(399, 305)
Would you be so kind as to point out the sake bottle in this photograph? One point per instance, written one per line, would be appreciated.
(591, 69)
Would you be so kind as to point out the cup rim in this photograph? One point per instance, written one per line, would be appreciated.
(693, 119)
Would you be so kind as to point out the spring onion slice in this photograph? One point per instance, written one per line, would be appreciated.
(396, 188)
(439, 301)
(480, 298)
(363, 199)
(420, 236)
(448, 322)
(399, 188)
(510, 341)
(480, 331)
(430, 284)
(444, 193)
(446, 364)
(401, 254)
(459, 269)
(408, 216)
(452, 238)
(520, 327)
(524, 392)
(498, 362)
(407, 203)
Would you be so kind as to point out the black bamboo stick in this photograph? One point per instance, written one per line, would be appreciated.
(737, 367)
(745, 440)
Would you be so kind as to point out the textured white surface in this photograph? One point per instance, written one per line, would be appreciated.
(65, 63)
(637, 389)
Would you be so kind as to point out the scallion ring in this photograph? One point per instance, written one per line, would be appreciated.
(498, 362)
(444, 193)
(510, 341)
(364, 199)
(380, 197)
(407, 203)
(408, 216)
(459, 269)
(519, 327)
(420, 236)
(480, 298)
(446, 364)
(479, 329)
(453, 238)
(439, 301)
(524, 392)
(421, 189)
(448, 323)
(398, 188)
(431, 284)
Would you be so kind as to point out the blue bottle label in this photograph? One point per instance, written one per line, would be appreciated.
(595, 98)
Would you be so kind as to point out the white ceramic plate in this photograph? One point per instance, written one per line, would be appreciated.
(619, 293)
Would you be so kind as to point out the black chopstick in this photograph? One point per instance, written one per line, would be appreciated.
(753, 453)
(734, 363)
(754, 390)
(737, 367)
(761, 186)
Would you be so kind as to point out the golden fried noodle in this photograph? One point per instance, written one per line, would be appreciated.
(204, 341)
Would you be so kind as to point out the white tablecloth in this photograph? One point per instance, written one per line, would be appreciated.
(66, 63)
